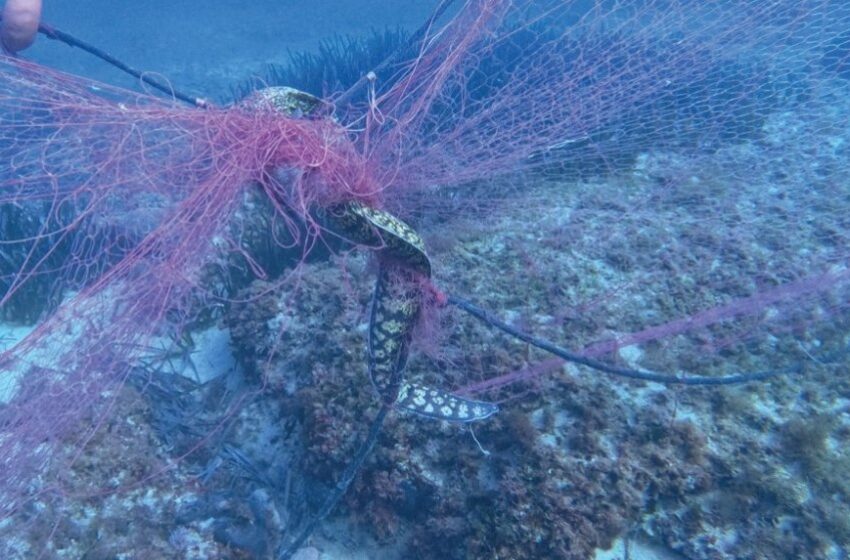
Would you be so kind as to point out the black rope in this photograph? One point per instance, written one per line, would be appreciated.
(342, 484)
(565, 354)
(58, 35)
(368, 444)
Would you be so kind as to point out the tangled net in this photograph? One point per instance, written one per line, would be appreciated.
(121, 213)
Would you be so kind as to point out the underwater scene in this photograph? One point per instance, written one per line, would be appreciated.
(425, 279)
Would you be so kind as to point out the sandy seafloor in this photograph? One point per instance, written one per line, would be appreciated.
(579, 461)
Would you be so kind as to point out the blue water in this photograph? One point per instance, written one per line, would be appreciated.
(209, 46)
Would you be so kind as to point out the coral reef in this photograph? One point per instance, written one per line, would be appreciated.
(116, 519)
(574, 460)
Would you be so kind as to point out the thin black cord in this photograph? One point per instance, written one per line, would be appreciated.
(368, 444)
(58, 35)
(342, 484)
(670, 379)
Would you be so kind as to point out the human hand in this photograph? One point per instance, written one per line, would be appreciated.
(20, 24)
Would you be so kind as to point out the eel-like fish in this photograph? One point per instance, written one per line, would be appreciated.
(397, 299)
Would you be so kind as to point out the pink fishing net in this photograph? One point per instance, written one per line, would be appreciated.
(120, 212)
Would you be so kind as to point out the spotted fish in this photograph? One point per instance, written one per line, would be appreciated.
(397, 298)
(395, 309)
(283, 99)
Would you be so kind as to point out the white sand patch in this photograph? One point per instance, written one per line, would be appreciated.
(206, 357)
(10, 335)
(637, 550)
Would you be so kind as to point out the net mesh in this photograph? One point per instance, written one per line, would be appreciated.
(696, 149)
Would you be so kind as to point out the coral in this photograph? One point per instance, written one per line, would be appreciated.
(513, 502)
(804, 440)
(572, 449)
(97, 520)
